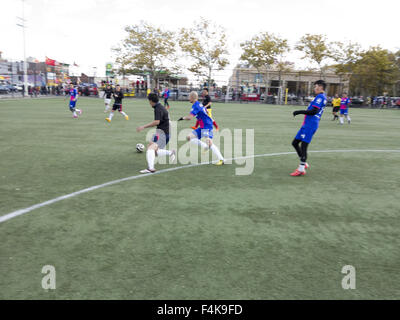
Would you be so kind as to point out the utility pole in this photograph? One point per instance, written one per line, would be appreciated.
(23, 26)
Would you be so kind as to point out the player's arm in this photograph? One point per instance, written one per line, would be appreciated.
(311, 112)
(189, 117)
(149, 125)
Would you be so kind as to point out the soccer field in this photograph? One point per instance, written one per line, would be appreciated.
(197, 232)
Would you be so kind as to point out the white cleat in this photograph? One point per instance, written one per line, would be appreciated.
(145, 171)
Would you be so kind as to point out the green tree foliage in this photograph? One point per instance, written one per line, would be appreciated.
(263, 51)
(315, 48)
(146, 48)
(205, 45)
(375, 72)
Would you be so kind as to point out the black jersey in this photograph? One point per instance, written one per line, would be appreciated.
(206, 101)
(108, 93)
(161, 114)
(118, 96)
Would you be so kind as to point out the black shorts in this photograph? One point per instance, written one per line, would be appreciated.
(117, 107)
(336, 109)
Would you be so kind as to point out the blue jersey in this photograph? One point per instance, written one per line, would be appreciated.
(345, 103)
(166, 94)
(73, 93)
(320, 103)
(202, 116)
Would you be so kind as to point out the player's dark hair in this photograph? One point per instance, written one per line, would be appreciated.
(321, 83)
(205, 89)
(153, 97)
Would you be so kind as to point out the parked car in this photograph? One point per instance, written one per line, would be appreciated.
(4, 89)
(357, 100)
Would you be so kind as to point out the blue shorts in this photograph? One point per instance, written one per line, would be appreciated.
(161, 139)
(72, 104)
(203, 133)
(306, 134)
(344, 111)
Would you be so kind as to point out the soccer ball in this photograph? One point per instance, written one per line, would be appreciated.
(139, 147)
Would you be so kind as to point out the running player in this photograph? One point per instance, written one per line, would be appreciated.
(161, 138)
(207, 104)
(205, 130)
(310, 126)
(336, 106)
(344, 109)
(166, 94)
(108, 93)
(73, 93)
(118, 96)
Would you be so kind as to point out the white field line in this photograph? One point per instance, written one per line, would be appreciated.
(20, 212)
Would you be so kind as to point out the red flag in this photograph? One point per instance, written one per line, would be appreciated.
(50, 62)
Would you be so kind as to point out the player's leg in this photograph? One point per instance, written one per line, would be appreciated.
(109, 119)
(195, 137)
(296, 146)
(107, 104)
(196, 125)
(341, 119)
(209, 111)
(123, 113)
(73, 109)
(348, 118)
(163, 140)
(216, 151)
(303, 159)
(150, 158)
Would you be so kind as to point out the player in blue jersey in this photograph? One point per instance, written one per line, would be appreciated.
(166, 94)
(344, 109)
(205, 130)
(73, 93)
(310, 126)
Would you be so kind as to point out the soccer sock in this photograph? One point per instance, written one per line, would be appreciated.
(216, 151)
(74, 113)
(215, 125)
(341, 120)
(123, 113)
(163, 153)
(348, 118)
(150, 156)
(295, 145)
(198, 142)
(302, 167)
(111, 115)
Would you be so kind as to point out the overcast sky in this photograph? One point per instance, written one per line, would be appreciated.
(85, 30)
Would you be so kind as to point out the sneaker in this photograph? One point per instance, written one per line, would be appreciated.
(298, 173)
(145, 171)
(126, 117)
(220, 163)
(108, 119)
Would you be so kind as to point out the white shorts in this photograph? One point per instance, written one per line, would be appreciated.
(107, 101)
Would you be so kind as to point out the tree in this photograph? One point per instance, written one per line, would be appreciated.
(375, 72)
(262, 52)
(205, 45)
(346, 56)
(146, 48)
(315, 48)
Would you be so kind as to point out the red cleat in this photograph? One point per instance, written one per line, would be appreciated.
(298, 173)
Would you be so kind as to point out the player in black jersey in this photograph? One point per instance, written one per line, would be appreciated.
(118, 96)
(108, 93)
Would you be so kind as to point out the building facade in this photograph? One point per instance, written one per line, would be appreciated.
(299, 83)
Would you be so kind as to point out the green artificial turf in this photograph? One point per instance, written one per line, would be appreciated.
(200, 232)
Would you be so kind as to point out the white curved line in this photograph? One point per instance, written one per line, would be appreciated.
(20, 212)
